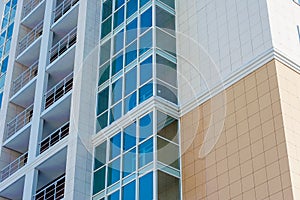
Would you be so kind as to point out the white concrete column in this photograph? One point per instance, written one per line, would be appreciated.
(30, 184)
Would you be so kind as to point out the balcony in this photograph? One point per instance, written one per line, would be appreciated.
(54, 137)
(58, 91)
(63, 8)
(53, 191)
(24, 78)
(63, 45)
(33, 7)
(32, 36)
(20, 121)
(14, 166)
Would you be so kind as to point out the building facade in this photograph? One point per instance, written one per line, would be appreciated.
(150, 99)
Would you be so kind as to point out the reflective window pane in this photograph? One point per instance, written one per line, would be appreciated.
(146, 42)
(114, 196)
(167, 153)
(146, 187)
(166, 42)
(118, 41)
(146, 70)
(115, 112)
(117, 63)
(145, 92)
(103, 74)
(146, 126)
(143, 2)
(129, 162)
(102, 121)
(166, 70)
(168, 187)
(105, 52)
(106, 27)
(166, 92)
(170, 3)
(131, 53)
(99, 180)
(129, 139)
(113, 174)
(131, 33)
(130, 102)
(146, 152)
(118, 3)
(116, 93)
(146, 20)
(115, 146)
(131, 7)
(128, 191)
(165, 20)
(100, 155)
(119, 17)
(130, 81)
(167, 127)
(107, 9)
(102, 101)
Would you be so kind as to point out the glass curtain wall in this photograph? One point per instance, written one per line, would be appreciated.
(137, 56)
(5, 40)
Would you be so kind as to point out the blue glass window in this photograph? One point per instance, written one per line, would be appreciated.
(106, 27)
(107, 9)
(116, 91)
(102, 101)
(128, 191)
(146, 126)
(146, 187)
(129, 162)
(146, 20)
(1, 97)
(129, 139)
(170, 3)
(131, 33)
(4, 65)
(102, 121)
(165, 20)
(130, 102)
(7, 46)
(115, 146)
(130, 81)
(100, 155)
(4, 21)
(143, 2)
(114, 196)
(118, 41)
(131, 53)
(10, 30)
(118, 3)
(113, 174)
(105, 52)
(146, 42)
(2, 38)
(145, 153)
(103, 74)
(99, 180)
(119, 17)
(116, 112)
(12, 14)
(131, 7)
(117, 63)
(145, 92)
(146, 70)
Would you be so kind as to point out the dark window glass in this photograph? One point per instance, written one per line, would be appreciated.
(102, 101)
(167, 127)
(130, 81)
(143, 2)
(145, 153)
(118, 3)
(145, 92)
(103, 74)
(131, 53)
(105, 52)
(130, 102)
(146, 20)
(129, 162)
(165, 20)
(118, 41)
(166, 91)
(128, 191)
(4, 65)
(116, 91)
(166, 42)
(106, 27)
(117, 63)
(115, 146)
(170, 3)
(107, 9)
(1, 96)
(10, 30)
(146, 187)
(146, 126)
(119, 17)
(129, 138)
(168, 187)
(116, 112)
(131, 7)
(113, 174)
(146, 70)
(114, 196)
(100, 155)
(167, 153)
(146, 42)
(99, 180)
(131, 33)
(166, 70)
(102, 121)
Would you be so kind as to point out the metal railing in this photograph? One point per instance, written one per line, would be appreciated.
(19, 121)
(53, 191)
(58, 91)
(25, 77)
(54, 137)
(29, 6)
(62, 8)
(14, 166)
(30, 37)
(63, 45)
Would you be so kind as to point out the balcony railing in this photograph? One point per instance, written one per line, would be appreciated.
(63, 45)
(59, 90)
(62, 8)
(53, 191)
(29, 6)
(25, 77)
(54, 138)
(19, 122)
(34, 34)
(14, 166)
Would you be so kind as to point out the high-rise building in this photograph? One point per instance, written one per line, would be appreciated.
(150, 99)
